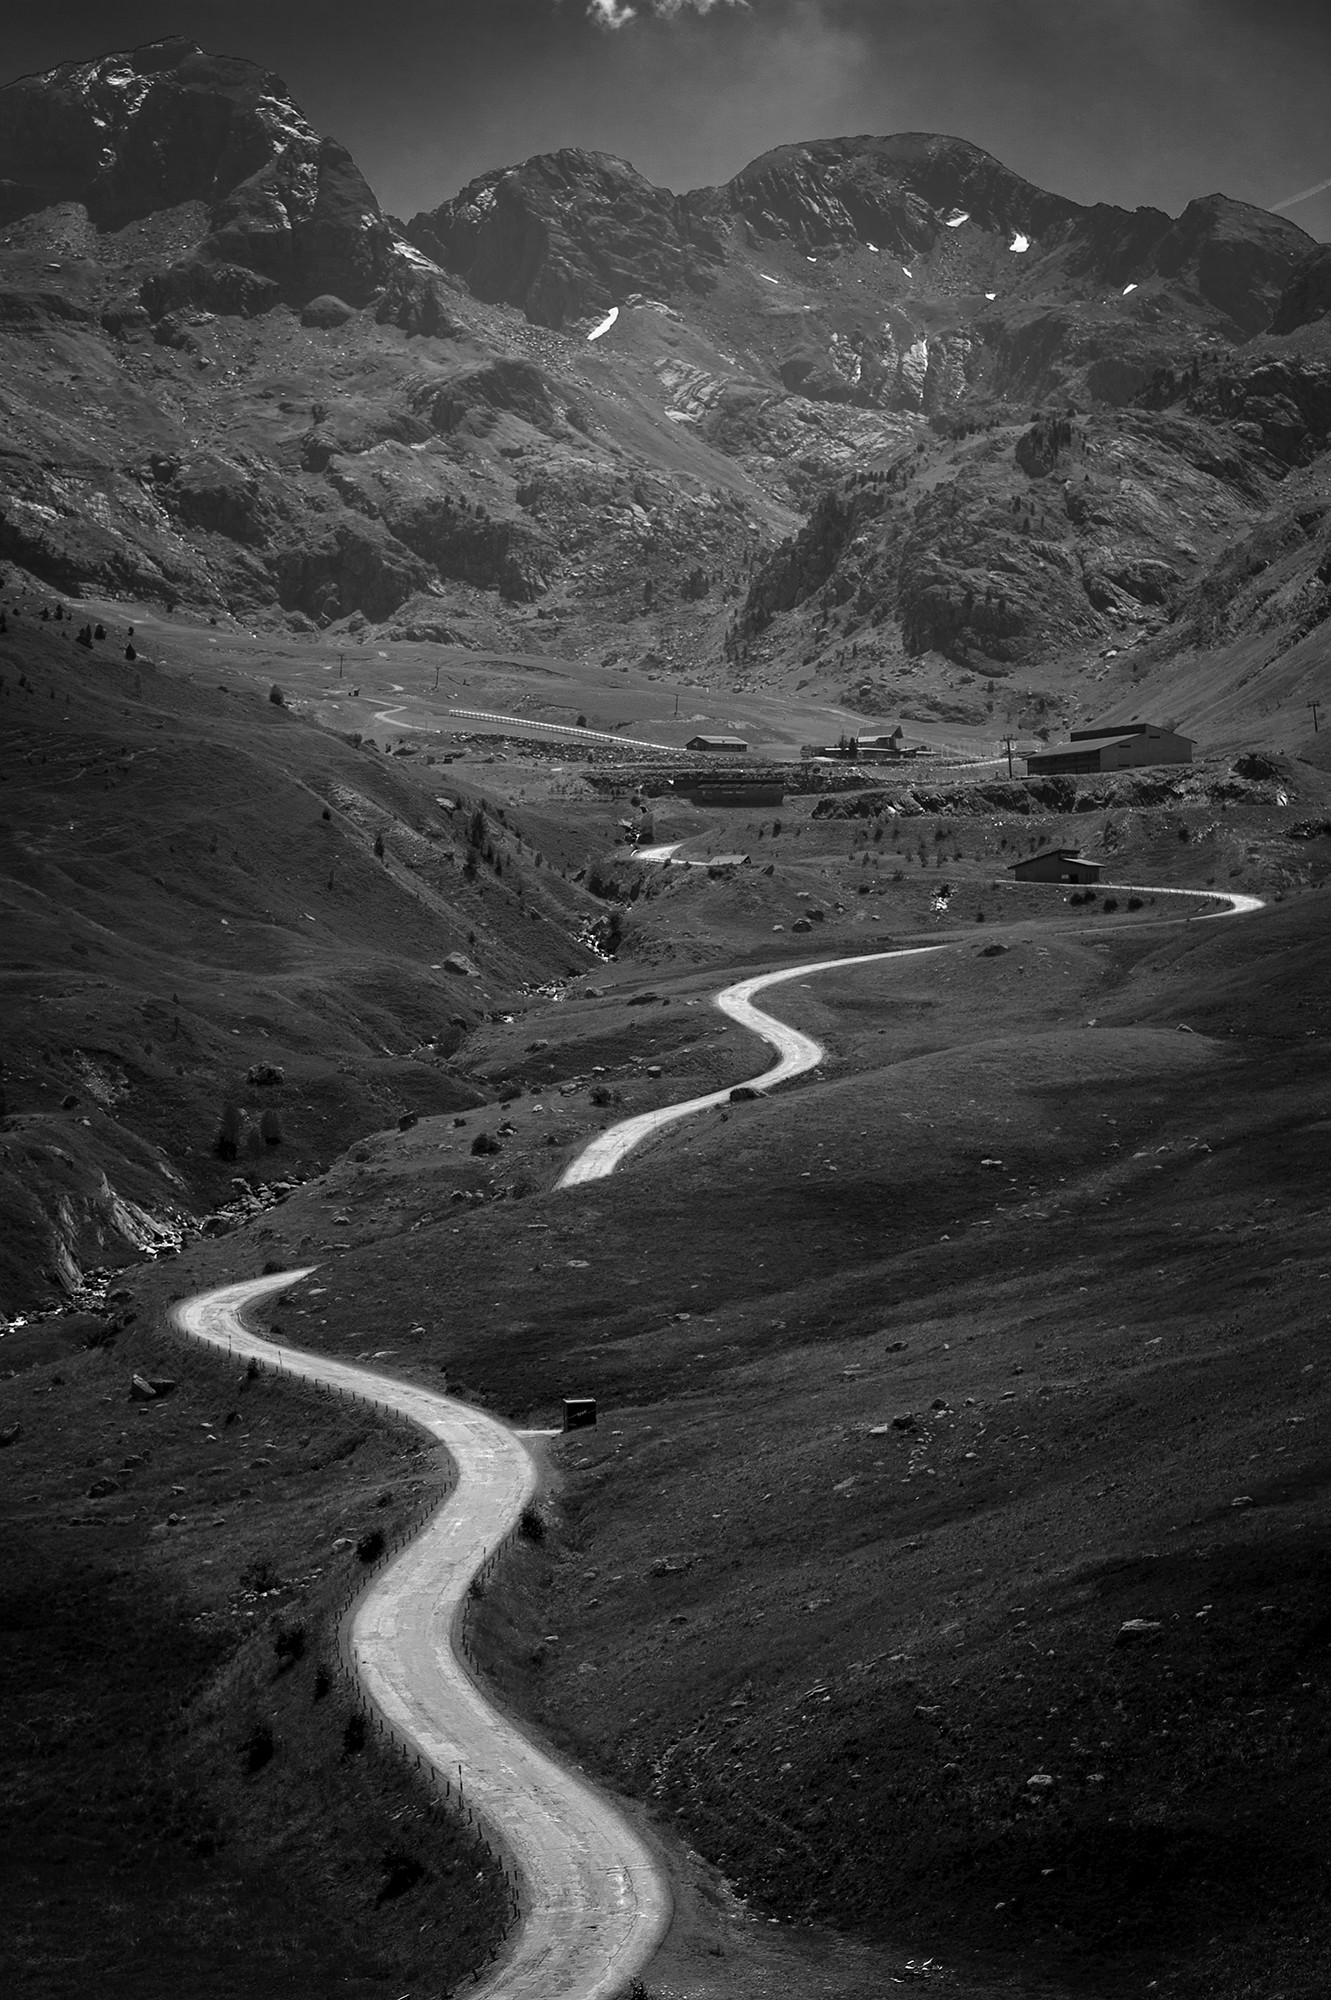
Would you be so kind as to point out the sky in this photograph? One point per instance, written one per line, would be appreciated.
(1127, 101)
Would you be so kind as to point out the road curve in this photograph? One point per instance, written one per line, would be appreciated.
(595, 1902)
(1239, 905)
(797, 1053)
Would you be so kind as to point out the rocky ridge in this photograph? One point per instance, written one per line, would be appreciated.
(873, 403)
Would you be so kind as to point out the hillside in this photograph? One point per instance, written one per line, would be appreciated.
(208, 900)
(944, 1585)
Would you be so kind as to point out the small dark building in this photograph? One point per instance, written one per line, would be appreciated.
(1056, 864)
(579, 1412)
(724, 746)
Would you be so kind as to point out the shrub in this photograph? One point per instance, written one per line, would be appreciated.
(402, 1871)
(353, 1736)
(1110, 903)
(276, 696)
(532, 1524)
(289, 1644)
(258, 1749)
(601, 1094)
(270, 1127)
(229, 1130)
(1134, 902)
(485, 1142)
(371, 1546)
(323, 1682)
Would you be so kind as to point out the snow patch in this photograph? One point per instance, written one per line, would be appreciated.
(991, 295)
(1020, 244)
(1127, 289)
(605, 325)
(768, 281)
(875, 249)
(907, 270)
(955, 221)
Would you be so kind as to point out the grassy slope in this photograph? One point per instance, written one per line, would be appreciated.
(178, 907)
(753, 1580)
(834, 1654)
(144, 1854)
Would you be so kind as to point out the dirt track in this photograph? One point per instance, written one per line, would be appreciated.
(798, 1053)
(595, 1902)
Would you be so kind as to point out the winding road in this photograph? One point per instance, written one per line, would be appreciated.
(595, 1901)
(798, 1053)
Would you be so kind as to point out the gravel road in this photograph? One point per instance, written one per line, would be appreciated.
(595, 1901)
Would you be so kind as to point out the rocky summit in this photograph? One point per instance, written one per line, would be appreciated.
(878, 411)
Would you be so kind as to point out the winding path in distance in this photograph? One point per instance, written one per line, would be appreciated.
(797, 1052)
(595, 1902)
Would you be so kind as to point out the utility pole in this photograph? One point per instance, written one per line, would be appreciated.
(1007, 745)
(340, 659)
(436, 673)
(1313, 706)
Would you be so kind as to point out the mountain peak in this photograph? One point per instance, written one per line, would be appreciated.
(154, 128)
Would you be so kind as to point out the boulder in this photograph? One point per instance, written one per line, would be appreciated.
(326, 312)
(458, 962)
(1135, 1631)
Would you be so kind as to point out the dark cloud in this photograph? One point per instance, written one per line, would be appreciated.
(1133, 101)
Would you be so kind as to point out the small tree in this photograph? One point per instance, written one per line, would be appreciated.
(270, 1126)
(229, 1131)
(276, 696)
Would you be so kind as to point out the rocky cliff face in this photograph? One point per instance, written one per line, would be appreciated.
(166, 125)
(567, 234)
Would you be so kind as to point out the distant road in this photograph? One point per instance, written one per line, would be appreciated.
(798, 1052)
(595, 1901)
(524, 724)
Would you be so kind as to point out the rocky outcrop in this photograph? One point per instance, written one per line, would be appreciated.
(1307, 293)
(420, 302)
(1079, 531)
(896, 192)
(356, 566)
(566, 235)
(471, 547)
(474, 397)
(1235, 258)
(166, 124)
